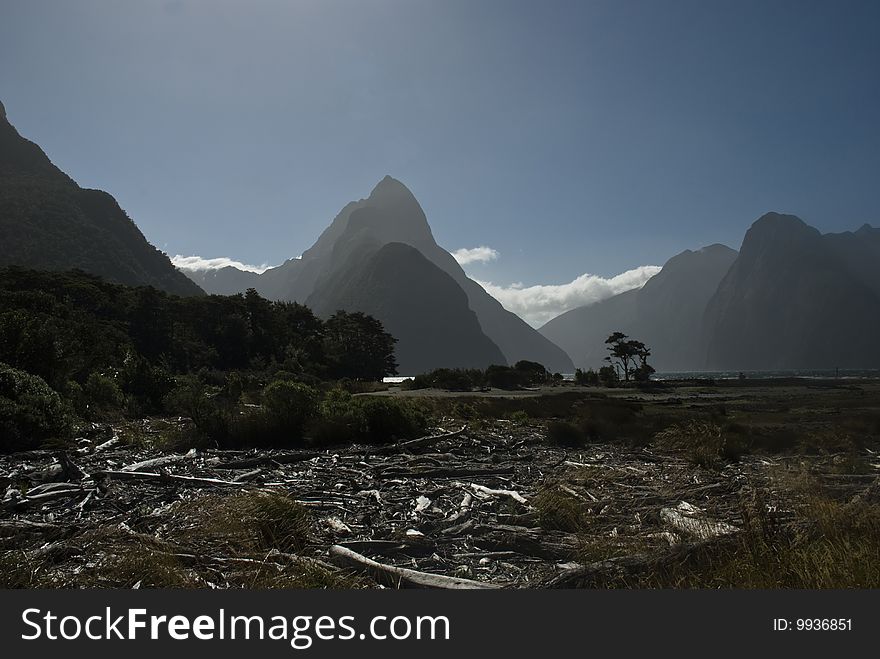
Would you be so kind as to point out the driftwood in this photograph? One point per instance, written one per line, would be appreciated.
(39, 499)
(113, 441)
(482, 490)
(267, 460)
(400, 576)
(163, 478)
(452, 472)
(390, 547)
(689, 519)
(160, 461)
(535, 542)
(247, 476)
(273, 557)
(15, 526)
(411, 444)
(452, 510)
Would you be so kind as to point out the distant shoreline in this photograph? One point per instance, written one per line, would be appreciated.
(675, 376)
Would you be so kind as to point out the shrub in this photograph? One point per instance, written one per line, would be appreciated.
(102, 394)
(450, 379)
(453, 379)
(387, 420)
(343, 418)
(288, 406)
(503, 377)
(520, 418)
(203, 404)
(531, 373)
(559, 511)
(340, 419)
(464, 411)
(146, 386)
(587, 378)
(608, 376)
(30, 411)
(75, 396)
(418, 382)
(702, 442)
(563, 433)
(247, 524)
(612, 420)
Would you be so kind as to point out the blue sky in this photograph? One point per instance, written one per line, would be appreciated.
(570, 137)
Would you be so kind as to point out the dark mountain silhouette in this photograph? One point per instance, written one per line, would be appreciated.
(391, 214)
(797, 299)
(425, 310)
(48, 222)
(666, 313)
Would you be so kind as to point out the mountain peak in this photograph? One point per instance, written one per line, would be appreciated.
(779, 227)
(390, 214)
(389, 188)
(716, 248)
(2, 111)
(780, 218)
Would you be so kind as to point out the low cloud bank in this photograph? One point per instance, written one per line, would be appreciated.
(197, 263)
(538, 304)
(480, 254)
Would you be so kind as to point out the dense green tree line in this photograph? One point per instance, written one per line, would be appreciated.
(66, 326)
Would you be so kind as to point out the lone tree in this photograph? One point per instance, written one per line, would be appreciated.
(630, 356)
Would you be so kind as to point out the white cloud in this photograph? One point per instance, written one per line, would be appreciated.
(538, 304)
(197, 263)
(480, 254)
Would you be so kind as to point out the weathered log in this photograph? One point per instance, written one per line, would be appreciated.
(411, 444)
(15, 526)
(266, 460)
(694, 522)
(53, 487)
(525, 541)
(163, 478)
(489, 492)
(248, 476)
(400, 576)
(113, 441)
(161, 461)
(274, 557)
(445, 472)
(390, 547)
(39, 499)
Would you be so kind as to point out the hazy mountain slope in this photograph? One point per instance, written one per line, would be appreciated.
(666, 313)
(47, 222)
(582, 331)
(425, 310)
(228, 280)
(795, 299)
